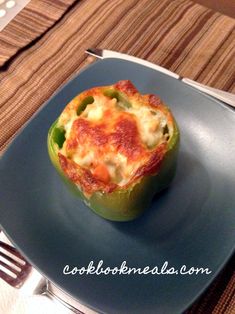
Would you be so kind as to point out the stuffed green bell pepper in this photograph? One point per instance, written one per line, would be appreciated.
(116, 148)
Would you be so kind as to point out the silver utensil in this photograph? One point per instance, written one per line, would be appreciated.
(16, 271)
(226, 97)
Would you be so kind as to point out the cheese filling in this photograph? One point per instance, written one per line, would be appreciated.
(96, 137)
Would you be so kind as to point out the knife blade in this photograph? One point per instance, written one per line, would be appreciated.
(226, 97)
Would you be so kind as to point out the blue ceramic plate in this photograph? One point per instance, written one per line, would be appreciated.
(192, 223)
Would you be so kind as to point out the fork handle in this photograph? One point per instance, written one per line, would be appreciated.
(45, 287)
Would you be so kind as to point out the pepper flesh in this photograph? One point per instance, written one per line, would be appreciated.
(128, 202)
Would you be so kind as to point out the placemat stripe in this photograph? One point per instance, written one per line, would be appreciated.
(166, 24)
(33, 21)
(193, 44)
(214, 74)
(227, 300)
(213, 297)
(179, 47)
(182, 25)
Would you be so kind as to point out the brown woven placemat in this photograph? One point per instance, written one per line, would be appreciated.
(219, 298)
(30, 24)
(180, 35)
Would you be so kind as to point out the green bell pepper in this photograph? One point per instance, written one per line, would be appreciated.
(129, 201)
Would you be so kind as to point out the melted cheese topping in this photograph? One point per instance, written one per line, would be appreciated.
(111, 140)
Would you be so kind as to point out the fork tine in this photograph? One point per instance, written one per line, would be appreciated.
(13, 270)
(10, 259)
(11, 249)
(9, 279)
(16, 282)
(24, 267)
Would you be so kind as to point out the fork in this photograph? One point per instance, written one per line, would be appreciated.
(16, 271)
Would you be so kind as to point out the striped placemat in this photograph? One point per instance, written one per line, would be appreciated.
(180, 35)
(219, 298)
(29, 25)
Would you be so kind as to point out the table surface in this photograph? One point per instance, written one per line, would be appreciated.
(43, 47)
